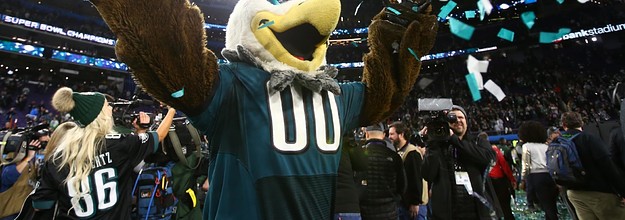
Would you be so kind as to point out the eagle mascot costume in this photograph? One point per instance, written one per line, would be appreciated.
(274, 113)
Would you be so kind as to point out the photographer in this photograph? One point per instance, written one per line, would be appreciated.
(15, 178)
(11, 172)
(455, 165)
(90, 172)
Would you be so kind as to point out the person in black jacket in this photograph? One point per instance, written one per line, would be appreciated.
(455, 167)
(380, 175)
(617, 148)
(601, 196)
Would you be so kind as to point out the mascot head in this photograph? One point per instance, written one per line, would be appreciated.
(292, 35)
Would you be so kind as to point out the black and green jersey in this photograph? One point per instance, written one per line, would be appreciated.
(277, 154)
(110, 182)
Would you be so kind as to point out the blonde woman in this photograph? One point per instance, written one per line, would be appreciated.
(56, 137)
(89, 174)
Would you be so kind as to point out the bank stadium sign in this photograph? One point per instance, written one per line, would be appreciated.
(594, 31)
(55, 30)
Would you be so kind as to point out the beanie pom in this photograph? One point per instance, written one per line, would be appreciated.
(63, 100)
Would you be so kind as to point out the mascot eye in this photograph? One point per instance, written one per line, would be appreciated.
(263, 21)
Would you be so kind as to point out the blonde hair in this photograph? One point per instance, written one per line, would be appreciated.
(78, 151)
(56, 138)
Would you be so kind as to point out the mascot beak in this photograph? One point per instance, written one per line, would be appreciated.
(298, 37)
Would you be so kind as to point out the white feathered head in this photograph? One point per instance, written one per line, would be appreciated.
(293, 34)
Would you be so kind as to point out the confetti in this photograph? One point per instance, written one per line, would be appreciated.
(564, 31)
(477, 66)
(485, 8)
(358, 8)
(266, 25)
(413, 53)
(461, 29)
(506, 34)
(178, 93)
(560, 1)
(479, 80)
(528, 18)
(547, 37)
(425, 82)
(475, 93)
(445, 10)
(469, 14)
(393, 10)
(495, 90)
(275, 2)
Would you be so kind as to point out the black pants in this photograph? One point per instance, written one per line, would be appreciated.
(546, 193)
(502, 189)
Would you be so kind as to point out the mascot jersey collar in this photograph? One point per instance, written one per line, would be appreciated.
(323, 79)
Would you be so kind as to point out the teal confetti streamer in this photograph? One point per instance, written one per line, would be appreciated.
(413, 53)
(393, 10)
(461, 29)
(445, 10)
(528, 18)
(266, 24)
(354, 44)
(547, 37)
(560, 1)
(415, 8)
(564, 31)
(275, 2)
(506, 34)
(469, 14)
(178, 93)
(475, 92)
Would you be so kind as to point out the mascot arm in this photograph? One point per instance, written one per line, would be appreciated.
(390, 68)
(164, 44)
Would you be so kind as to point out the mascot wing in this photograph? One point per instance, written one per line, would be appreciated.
(164, 44)
(390, 68)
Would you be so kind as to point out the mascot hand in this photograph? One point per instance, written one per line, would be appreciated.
(164, 44)
(406, 12)
(392, 65)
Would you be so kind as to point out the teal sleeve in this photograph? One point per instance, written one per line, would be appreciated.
(352, 97)
(205, 121)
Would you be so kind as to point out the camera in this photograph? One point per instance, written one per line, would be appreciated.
(438, 124)
(124, 112)
(18, 139)
(437, 117)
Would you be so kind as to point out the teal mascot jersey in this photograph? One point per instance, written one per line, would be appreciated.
(274, 115)
(279, 151)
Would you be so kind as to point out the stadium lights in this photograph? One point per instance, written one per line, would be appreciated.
(504, 6)
(593, 39)
(10, 72)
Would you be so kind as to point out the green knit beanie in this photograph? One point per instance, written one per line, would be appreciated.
(84, 107)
